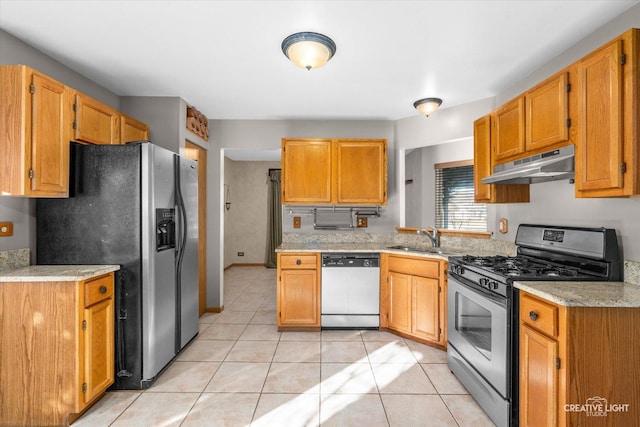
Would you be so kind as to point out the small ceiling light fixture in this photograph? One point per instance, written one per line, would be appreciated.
(308, 50)
(427, 106)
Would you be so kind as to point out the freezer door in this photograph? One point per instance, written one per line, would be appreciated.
(187, 261)
(158, 284)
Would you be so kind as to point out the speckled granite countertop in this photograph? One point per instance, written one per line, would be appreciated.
(585, 294)
(55, 273)
(379, 247)
(375, 247)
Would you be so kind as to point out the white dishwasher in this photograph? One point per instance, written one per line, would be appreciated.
(350, 290)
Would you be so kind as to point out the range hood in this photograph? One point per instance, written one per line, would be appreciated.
(550, 166)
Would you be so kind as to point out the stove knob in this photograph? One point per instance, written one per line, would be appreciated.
(484, 282)
(495, 285)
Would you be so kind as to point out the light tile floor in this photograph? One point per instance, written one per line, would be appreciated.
(241, 371)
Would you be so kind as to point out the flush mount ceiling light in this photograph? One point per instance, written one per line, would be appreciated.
(427, 106)
(308, 50)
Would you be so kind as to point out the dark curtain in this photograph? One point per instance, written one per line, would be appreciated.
(274, 235)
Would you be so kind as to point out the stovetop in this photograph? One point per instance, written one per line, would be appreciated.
(521, 267)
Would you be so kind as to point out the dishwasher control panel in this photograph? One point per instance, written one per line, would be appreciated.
(351, 260)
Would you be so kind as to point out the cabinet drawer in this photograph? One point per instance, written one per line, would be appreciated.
(416, 267)
(306, 262)
(98, 289)
(539, 315)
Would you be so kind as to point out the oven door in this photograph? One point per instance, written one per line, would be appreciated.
(478, 328)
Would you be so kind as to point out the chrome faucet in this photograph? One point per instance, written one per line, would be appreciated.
(435, 237)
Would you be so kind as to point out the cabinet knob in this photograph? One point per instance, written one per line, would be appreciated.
(533, 315)
(103, 289)
(298, 262)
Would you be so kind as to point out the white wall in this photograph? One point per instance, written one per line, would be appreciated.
(246, 221)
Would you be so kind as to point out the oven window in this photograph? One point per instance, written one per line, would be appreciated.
(473, 322)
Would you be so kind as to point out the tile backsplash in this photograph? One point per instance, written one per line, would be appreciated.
(15, 258)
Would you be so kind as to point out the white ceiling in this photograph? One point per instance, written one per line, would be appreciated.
(224, 57)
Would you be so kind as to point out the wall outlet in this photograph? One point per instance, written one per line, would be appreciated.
(6, 229)
(297, 222)
(362, 222)
(503, 225)
(240, 253)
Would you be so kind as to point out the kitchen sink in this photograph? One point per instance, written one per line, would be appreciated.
(421, 250)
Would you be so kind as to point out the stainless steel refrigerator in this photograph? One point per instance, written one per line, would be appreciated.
(134, 205)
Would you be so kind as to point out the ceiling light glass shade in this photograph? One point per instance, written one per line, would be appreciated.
(427, 106)
(308, 50)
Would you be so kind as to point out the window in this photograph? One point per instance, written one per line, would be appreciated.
(455, 208)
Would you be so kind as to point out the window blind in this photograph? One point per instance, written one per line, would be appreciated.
(455, 208)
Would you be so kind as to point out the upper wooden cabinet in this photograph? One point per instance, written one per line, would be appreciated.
(132, 129)
(306, 171)
(535, 121)
(361, 171)
(483, 167)
(339, 171)
(509, 130)
(607, 156)
(95, 122)
(35, 134)
(547, 113)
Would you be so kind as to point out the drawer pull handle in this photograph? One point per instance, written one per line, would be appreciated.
(103, 289)
(298, 262)
(533, 315)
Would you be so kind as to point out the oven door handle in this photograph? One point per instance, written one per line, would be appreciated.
(498, 299)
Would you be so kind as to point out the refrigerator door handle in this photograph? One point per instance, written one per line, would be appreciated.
(182, 240)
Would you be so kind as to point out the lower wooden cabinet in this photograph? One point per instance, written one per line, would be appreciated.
(413, 298)
(57, 341)
(298, 293)
(578, 365)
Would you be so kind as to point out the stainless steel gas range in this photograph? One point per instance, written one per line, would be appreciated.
(483, 305)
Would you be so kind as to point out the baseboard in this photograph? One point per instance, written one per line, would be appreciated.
(214, 309)
(249, 264)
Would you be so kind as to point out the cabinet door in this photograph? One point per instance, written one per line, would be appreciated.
(547, 112)
(400, 301)
(95, 122)
(49, 138)
(483, 166)
(509, 129)
(482, 158)
(306, 171)
(426, 308)
(98, 345)
(298, 298)
(599, 153)
(361, 172)
(132, 130)
(538, 378)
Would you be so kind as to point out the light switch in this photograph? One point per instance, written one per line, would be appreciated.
(297, 222)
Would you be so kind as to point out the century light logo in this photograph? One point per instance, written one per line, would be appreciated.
(597, 407)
